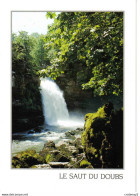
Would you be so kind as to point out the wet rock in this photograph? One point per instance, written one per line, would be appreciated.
(70, 142)
(56, 156)
(70, 133)
(71, 147)
(63, 154)
(31, 132)
(48, 147)
(52, 153)
(64, 149)
(49, 144)
(61, 143)
(59, 164)
(73, 150)
(62, 158)
(37, 130)
(42, 166)
(78, 144)
(46, 130)
(80, 129)
(55, 152)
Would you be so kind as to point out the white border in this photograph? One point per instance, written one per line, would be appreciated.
(138, 99)
(45, 182)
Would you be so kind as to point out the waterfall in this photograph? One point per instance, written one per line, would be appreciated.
(54, 106)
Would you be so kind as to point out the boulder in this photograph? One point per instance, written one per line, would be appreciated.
(47, 149)
(27, 159)
(70, 134)
(80, 129)
(49, 144)
(102, 138)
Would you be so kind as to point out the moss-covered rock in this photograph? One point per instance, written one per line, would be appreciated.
(78, 145)
(85, 164)
(26, 159)
(69, 153)
(100, 137)
(48, 147)
(65, 150)
(53, 156)
(51, 153)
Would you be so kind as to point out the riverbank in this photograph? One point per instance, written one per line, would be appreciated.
(64, 154)
(98, 145)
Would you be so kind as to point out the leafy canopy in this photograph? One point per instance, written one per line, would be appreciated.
(90, 44)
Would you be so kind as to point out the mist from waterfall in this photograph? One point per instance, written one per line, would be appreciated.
(54, 106)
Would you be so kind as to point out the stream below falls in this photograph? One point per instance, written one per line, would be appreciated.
(35, 139)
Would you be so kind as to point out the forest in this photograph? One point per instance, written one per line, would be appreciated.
(82, 52)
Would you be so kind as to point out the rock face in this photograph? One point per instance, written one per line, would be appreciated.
(102, 138)
(75, 97)
(73, 93)
(26, 104)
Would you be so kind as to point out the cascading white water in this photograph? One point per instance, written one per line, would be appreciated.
(54, 106)
(56, 116)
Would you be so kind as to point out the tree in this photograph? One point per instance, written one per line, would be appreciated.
(91, 45)
(21, 59)
(24, 70)
(40, 58)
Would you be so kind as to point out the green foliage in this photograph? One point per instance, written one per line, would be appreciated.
(21, 58)
(90, 44)
(27, 58)
(40, 59)
(51, 15)
(28, 54)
